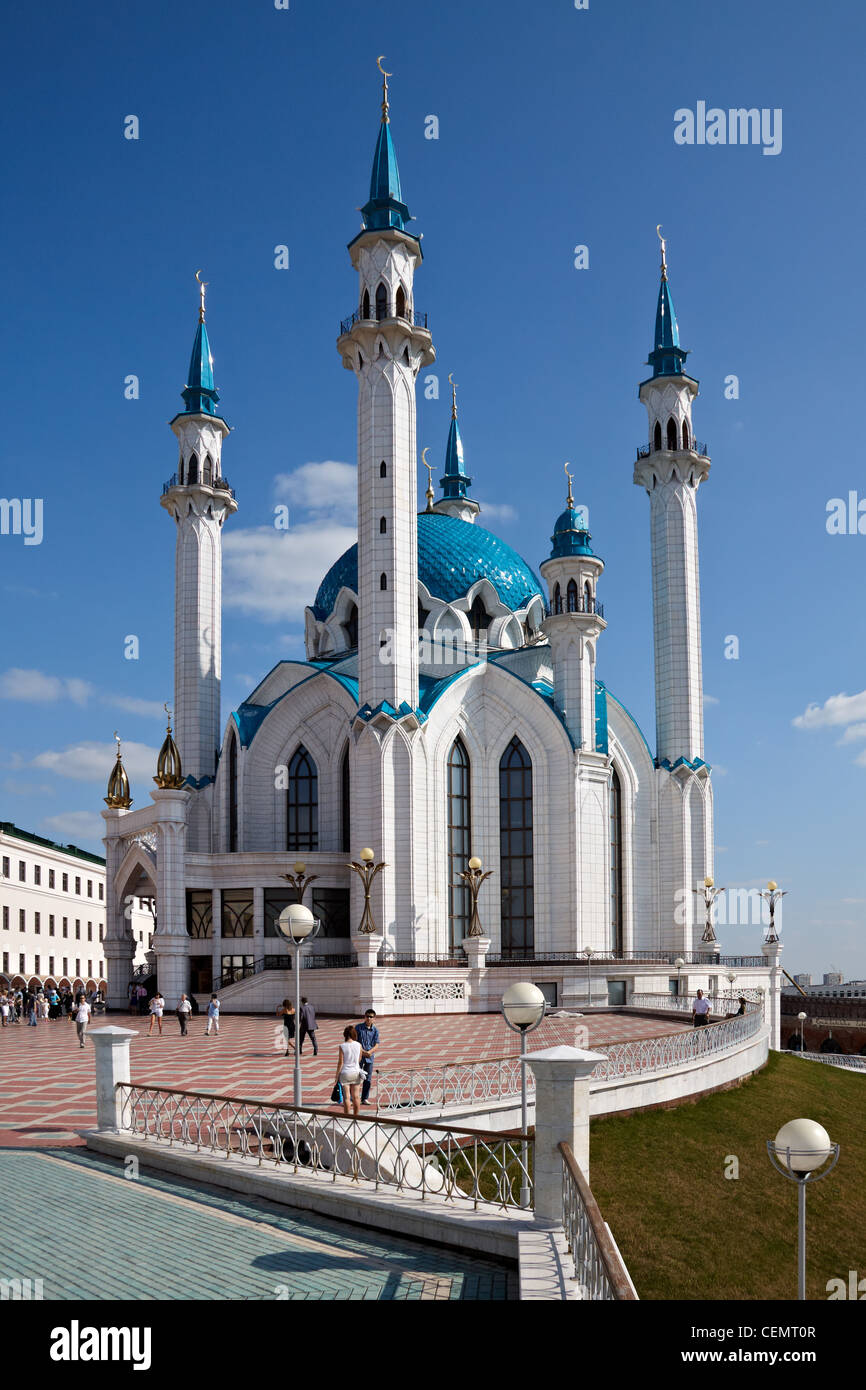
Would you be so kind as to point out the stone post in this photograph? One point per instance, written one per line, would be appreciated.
(561, 1115)
(111, 1046)
(476, 948)
(367, 949)
(772, 953)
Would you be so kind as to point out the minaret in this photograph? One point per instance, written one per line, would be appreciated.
(385, 343)
(575, 622)
(671, 467)
(199, 499)
(455, 500)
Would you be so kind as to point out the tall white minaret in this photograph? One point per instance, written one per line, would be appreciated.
(385, 343)
(199, 499)
(671, 467)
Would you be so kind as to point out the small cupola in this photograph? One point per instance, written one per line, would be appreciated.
(169, 774)
(118, 797)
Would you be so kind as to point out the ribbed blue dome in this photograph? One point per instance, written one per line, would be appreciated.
(452, 556)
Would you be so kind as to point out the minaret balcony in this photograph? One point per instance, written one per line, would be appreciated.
(218, 485)
(411, 316)
(581, 604)
(697, 447)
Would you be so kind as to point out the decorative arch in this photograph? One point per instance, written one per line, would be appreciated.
(459, 826)
(686, 444)
(400, 302)
(517, 900)
(365, 305)
(302, 802)
(383, 581)
(657, 436)
(672, 433)
(617, 934)
(571, 596)
(383, 469)
(557, 598)
(381, 300)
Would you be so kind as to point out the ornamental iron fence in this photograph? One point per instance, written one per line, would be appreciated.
(477, 1167)
(697, 446)
(319, 961)
(413, 316)
(598, 1265)
(528, 955)
(833, 1059)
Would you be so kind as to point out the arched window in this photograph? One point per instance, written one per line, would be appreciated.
(383, 581)
(381, 301)
(423, 615)
(515, 850)
(351, 627)
(685, 434)
(616, 938)
(345, 804)
(672, 433)
(302, 828)
(459, 851)
(557, 599)
(401, 302)
(479, 619)
(192, 470)
(207, 472)
(383, 471)
(657, 435)
(383, 526)
(233, 792)
(571, 596)
(365, 305)
(588, 606)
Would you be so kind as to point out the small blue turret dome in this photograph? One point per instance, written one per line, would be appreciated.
(570, 536)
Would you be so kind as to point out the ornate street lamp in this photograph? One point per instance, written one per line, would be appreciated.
(802, 1018)
(799, 1149)
(588, 952)
(523, 1008)
(297, 880)
(709, 893)
(366, 872)
(297, 925)
(679, 963)
(771, 895)
(473, 878)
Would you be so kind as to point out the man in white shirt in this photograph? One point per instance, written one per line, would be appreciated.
(184, 1009)
(82, 1018)
(701, 1010)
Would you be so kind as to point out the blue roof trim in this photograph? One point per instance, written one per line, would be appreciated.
(197, 783)
(249, 717)
(601, 738)
(682, 762)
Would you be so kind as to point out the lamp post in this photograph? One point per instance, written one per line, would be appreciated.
(709, 893)
(771, 896)
(799, 1149)
(588, 952)
(473, 878)
(730, 978)
(523, 1008)
(297, 880)
(297, 925)
(679, 963)
(802, 1017)
(367, 871)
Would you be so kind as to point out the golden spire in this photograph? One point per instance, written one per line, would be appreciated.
(169, 775)
(453, 396)
(570, 500)
(385, 76)
(203, 284)
(664, 244)
(118, 797)
(429, 467)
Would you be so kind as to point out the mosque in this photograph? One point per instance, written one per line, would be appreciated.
(450, 709)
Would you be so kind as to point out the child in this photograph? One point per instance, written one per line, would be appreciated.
(213, 1015)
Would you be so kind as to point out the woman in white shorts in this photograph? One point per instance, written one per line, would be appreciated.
(349, 1075)
(157, 1004)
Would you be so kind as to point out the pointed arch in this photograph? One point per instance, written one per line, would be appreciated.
(365, 305)
(345, 801)
(516, 849)
(557, 599)
(587, 597)
(657, 436)
(459, 822)
(350, 627)
(672, 433)
(302, 819)
(479, 618)
(192, 469)
(207, 471)
(616, 876)
(383, 470)
(383, 525)
(571, 596)
(383, 581)
(400, 306)
(381, 300)
(686, 444)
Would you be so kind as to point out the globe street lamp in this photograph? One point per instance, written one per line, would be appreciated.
(297, 925)
(799, 1149)
(588, 952)
(298, 881)
(473, 878)
(771, 895)
(802, 1017)
(366, 872)
(523, 1008)
(679, 963)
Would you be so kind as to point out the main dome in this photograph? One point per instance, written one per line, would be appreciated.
(452, 556)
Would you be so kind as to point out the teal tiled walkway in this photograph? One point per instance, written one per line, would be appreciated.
(89, 1232)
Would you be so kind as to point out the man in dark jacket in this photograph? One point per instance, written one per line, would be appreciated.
(308, 1025)
(368, 1037)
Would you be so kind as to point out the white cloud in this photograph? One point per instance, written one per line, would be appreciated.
(498, 511)
(710, 699)
(324, 490)
(18, 684)
(273, 574)
(852, 734)
(77, 825)
(837, 710)
(92, 762)
(149, 708)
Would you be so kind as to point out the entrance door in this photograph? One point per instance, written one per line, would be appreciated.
(201, 974)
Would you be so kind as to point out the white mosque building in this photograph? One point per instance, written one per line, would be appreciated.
(450, 708)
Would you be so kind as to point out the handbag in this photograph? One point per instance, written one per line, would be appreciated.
(337, 1094)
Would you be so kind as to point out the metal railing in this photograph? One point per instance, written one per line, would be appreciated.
(580, 604)
(526, 956)
(641, 1056)
(697, 446)
(218, 485)
(455, 1083)
(413, 316)
(420, 958)
(833, 1059)
(308, 962)
(459, 1165)
(598, 1265)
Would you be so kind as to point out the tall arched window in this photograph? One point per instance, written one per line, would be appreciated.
(616, 932)
(207, 472)
(365, 305)
(345, 804)
(685, 434)
(383, 525)
(381, 301)
(233, 791)
(587, 597)
(459, 851)
(571, 596)
(557, 599)
(192, 469)
(657, 435)
(383, 471)
(302, 821)
(672, 433)
(401, 302)
(515, 849)
(479, 619)
(350, 627)
(383, 581)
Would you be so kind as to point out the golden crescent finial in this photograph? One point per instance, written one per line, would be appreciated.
(117, 741)
(168, 712)
(424, 453)
(429, 493)
(203, 286)
(453, 395)
(570, 500)
(381, 69)
(385, 76)
(664, 246)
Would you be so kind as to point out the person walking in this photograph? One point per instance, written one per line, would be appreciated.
(287, 1011)
(350, 1072)
(701, 1010)
(32, 1009)
(308, 1026)
(82, 1018)
(183, 1011)
(157, 1006)
(213, 1015)
(4, 1010)
(368, 1036)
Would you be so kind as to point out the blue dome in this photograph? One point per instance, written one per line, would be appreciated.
(452, 556)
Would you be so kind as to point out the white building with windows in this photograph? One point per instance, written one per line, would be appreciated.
(451, 705)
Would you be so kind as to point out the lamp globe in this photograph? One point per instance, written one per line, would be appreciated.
(295, 922)
(808, 1142)
(523, 1004)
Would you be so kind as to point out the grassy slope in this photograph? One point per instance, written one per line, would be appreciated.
(685, 1231)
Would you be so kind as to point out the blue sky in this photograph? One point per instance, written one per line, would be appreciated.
(556, 129)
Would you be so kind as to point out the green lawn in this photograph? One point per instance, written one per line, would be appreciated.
(685, 1231)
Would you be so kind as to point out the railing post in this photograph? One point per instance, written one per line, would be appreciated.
(561, 1116)
(111, 1049)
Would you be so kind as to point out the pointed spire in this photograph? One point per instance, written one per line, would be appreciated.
(118, 797)
(200, 394)
(385, 206)
(169, 774)
(429, 493)
(456, 481)
(667, 357)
